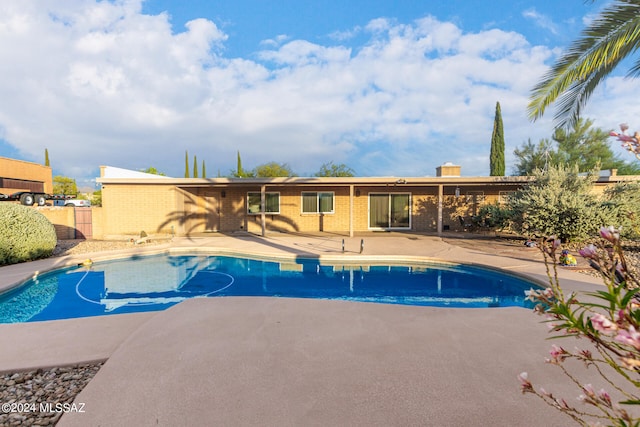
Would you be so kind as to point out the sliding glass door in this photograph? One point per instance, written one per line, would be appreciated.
(389, 210)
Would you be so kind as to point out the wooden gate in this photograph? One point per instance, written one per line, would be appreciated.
(84, 225)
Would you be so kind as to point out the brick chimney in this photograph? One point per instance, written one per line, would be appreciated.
(448, 170)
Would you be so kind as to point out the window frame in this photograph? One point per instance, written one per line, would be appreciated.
(318, 204)
(259, 195)
(390, 195)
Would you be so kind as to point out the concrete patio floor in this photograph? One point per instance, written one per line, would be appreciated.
(292, 362)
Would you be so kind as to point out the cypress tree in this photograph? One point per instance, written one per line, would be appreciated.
(239, 171)
(46, 157)
(186, 164)
(497, 165)
(204, 171)
(195, 166)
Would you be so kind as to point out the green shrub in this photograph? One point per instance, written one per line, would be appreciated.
(621, 208)
(558, 203)
(25, 234)
(493, 217)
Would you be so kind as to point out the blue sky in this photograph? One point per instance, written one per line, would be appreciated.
(388, 88)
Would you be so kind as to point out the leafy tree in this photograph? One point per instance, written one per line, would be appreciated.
(582, 145)
(273, 169)
(186, 164)
(331, 169)
(558, 203)
(153, 171)
(608, 40)
(497, 145)
(96, 199)
(533, 157)
(585, 146)
(195, 166)
(64, 185)
(46, 157)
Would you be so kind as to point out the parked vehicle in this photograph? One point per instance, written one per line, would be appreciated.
(79, 203)
(29, 198)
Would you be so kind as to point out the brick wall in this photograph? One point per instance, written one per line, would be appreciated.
(130, 209)
(62, 218)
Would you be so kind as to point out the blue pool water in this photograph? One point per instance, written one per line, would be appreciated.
(157, 282)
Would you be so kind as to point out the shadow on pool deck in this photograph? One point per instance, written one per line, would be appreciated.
(279, 361)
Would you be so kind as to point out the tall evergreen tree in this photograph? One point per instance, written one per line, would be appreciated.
(204, 171)
(497, 165)
(186, 164)
(239, 170)
(46, 157)
(195, 166)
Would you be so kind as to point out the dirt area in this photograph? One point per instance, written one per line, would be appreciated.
(75, 247)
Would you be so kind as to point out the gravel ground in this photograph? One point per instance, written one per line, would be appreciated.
(75, 247)
(40, 397)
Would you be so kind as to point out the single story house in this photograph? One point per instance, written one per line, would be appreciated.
(186, 206)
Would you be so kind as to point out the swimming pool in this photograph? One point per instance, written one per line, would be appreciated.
(157, 282)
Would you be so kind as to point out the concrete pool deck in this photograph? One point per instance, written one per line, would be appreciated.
(277, 361)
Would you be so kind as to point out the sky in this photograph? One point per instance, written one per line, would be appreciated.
(388, 88)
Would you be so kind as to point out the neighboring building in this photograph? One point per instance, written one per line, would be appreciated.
(186, 206)
(18, 175)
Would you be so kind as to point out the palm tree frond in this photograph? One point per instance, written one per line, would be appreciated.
(610, 38)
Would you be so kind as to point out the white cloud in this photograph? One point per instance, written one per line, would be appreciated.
(543, 21)
(275, 42)
(101, 83)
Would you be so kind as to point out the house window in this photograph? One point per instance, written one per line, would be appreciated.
(313, 202)
(389, 210)
(272, 203)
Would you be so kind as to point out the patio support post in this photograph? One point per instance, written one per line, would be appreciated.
(440, 196)
(351, 210)
(263, 208)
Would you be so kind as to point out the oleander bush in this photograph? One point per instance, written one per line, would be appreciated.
(25, 234)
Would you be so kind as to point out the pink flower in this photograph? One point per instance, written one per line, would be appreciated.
(525, 384)
(589, 395)
(602, 324)
(532, 295)
(610, 234)
(604, 397)
(588, 389)
(629, 337)
(589, 252)
(558, 354)
(585, 354)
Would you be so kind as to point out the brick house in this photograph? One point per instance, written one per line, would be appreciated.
(187, 206)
